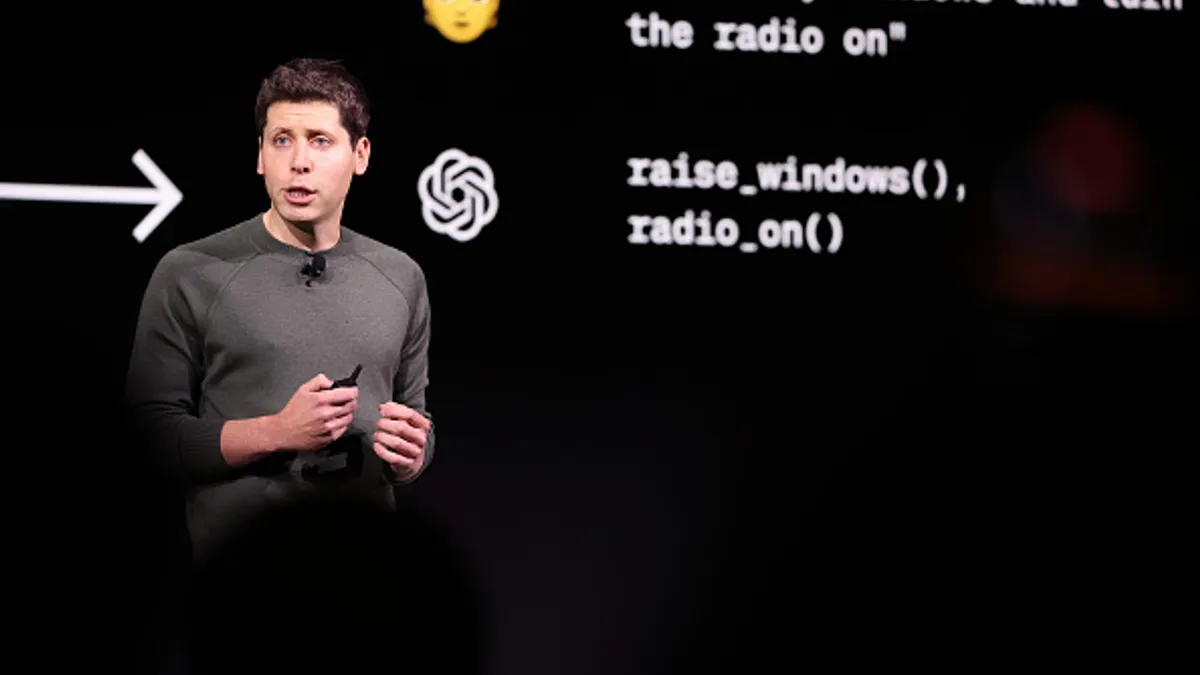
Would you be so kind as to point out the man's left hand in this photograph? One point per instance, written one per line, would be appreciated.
(400, 436)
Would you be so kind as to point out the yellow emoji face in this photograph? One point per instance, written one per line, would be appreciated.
(461, 20)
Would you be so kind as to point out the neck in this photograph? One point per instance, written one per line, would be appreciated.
(318, 236)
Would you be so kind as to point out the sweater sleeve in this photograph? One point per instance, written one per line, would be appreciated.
(164, 376)
(412, 377)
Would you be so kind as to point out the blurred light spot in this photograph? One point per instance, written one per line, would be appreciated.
(1089, 160)
(1067, 225)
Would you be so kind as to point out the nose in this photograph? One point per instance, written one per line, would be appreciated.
(300, 159)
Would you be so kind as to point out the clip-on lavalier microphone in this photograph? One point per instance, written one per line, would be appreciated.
(313, 268)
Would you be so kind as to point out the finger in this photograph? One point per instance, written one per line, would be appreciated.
(328, 412)
(393, 458)
(338, 409)
(318, 383)
(395, 410)
(402, 412)
(397, 444)
(339, 419)
(420, 421)
(338, 396)
(347, 408)
(402, 429)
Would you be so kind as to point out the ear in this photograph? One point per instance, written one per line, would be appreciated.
(260, 159)
(362, 156)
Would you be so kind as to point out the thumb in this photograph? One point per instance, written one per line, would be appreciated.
(318, 383)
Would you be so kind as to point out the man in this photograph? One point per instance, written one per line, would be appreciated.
(242, 334)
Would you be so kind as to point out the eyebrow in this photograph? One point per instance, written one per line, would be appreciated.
(312, 132)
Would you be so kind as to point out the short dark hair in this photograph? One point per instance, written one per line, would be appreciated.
(305, 80)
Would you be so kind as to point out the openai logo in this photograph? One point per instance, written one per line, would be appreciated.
(458, 195)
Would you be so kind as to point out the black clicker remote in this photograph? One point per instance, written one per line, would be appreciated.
(351, 380)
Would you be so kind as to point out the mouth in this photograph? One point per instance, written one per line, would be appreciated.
(299, 195)
(461, 24)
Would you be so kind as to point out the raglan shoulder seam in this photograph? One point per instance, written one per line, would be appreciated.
(399, 287)
(212, 304)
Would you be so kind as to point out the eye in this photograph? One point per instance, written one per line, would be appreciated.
(280, 140)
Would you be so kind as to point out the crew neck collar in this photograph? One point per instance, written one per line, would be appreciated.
(268, 243)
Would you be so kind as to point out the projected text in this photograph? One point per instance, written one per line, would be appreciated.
(925, 178)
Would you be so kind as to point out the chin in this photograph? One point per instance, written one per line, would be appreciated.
(298, 215)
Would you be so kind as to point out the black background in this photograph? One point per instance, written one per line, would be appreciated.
(666, 459)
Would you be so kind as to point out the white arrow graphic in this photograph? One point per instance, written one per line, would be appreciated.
(164, 195)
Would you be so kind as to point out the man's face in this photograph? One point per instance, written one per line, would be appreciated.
(461, 20)
(307, 161)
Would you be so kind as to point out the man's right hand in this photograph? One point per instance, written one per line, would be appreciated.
(315, 416)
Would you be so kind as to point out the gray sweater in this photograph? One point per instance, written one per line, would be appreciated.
(230, 327)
